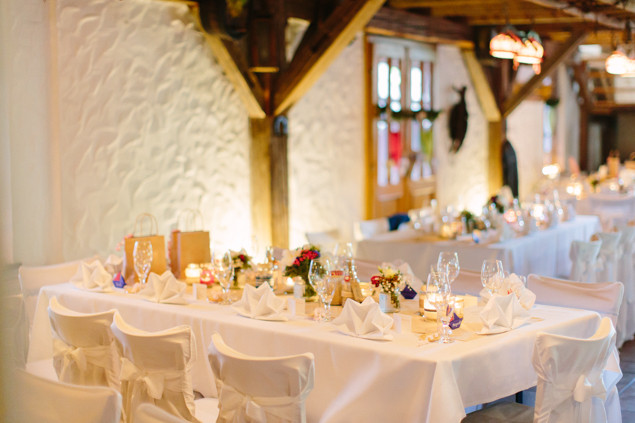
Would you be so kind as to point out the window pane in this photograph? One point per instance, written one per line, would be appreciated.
(427, 85)
(382, 153)
(382, 80)
(395, 149)
(395, 83)
(415, 87)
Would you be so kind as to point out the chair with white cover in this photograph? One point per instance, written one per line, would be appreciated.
(468, 282)
(260, 389)
(85, 351)
(34, 399)
(584, 256)
(156, 368)
(32, 278)
(626, 273)
(15, 330)
(149, 413)
(369, 228)
(605, 298)
(608, 256)
(325, 239)
(570, 381)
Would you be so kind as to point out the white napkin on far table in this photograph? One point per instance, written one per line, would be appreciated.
(503, 313)
(92, 276)
(364, 320)
(163, 289)
(260, 303)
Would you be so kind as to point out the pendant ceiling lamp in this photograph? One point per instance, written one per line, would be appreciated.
(524, 48)
(620, 62)
(505, 45)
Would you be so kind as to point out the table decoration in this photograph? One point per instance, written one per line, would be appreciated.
(390, 282)
(260, 303)
(193, 273)
(364, 320)
(92, 276)
(242, 263)
(188, 245)
(163, 288)
(297, 264)
(502, 313)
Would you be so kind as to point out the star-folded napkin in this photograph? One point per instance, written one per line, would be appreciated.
(503, 313)
(513, 284)
(163, 289)
(260, 303)
(92, 276)
(364, 320)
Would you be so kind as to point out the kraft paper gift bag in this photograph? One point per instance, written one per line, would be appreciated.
(189, 246)
(159, 263)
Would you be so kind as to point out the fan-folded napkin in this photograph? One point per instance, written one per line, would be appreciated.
(163, 289)
(513, 284)
(364, 320)
(503, 313)
(92, 276)
(260, 303)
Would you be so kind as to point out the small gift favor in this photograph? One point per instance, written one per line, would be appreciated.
(119, 281)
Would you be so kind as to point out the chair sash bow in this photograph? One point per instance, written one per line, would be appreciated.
(238, 407)
(582, 394)
(152, 382)
(79, 356)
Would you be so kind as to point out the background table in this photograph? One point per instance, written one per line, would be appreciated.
(356, 379)
(544, 252)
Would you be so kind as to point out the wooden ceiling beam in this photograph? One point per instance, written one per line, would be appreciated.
(322, 43)
(522, 20)
(573, 11)
(559, 56)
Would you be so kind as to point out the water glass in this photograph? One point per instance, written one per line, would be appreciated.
(492, 275)
(438, 294)
(324, 276)
(449, 262)
(223, 268)
(142, 256)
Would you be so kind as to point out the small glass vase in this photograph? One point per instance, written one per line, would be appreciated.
(387, 302)
(309, 293)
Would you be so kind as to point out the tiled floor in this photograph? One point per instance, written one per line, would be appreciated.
(626, 386)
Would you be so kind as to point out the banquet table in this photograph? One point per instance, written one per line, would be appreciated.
(610, 207)
(357, 380)
(543, 252)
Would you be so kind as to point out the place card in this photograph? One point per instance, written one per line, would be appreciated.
(199, 290)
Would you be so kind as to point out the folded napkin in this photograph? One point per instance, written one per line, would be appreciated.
(92, 276)
(113, 264)
(163, 289)
(364, 320)
(513, 284)
(260, 303)
(503, 313)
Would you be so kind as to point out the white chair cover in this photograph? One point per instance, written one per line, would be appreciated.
(570, 383)
(608, 256)
(260, 389)
(32, 278)
(369, 228)
(605, 298)
(366, 269)
(325, 239)
(85, 351)
(42, 400)
(468, 282)
(626, 275)
(156, 368)
(149, 413)
(584, 257)
(15, 327)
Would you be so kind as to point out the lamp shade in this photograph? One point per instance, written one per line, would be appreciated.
(504, 45)
(617, 63)
(530, 52)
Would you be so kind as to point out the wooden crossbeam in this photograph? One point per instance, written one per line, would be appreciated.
(559, 56)
(322, 43)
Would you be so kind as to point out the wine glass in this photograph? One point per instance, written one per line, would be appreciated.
(438, 294)
(223, 268)
(323, 277)
(492, 275)
(343, 253)
(142, 255)
(449, 261)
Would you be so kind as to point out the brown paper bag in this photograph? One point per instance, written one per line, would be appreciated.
(159, 264)
(191, 246)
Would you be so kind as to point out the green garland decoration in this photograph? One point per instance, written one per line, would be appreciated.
(386, 113)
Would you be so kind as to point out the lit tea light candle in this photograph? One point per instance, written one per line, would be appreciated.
(193, 271)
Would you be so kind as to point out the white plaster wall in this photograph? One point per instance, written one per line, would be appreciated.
(148, 123)
(461, 177)
(326, 150)
(525, 132)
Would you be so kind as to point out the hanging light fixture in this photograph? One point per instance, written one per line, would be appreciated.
(520, 47)
(504, 45)
(619, 63)
(532, 51)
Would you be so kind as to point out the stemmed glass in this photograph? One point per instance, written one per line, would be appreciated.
(323, 277)
(492, 275)
(439, 294)
(223, 268)
(343, 253)
(449, 261)
(142, 255)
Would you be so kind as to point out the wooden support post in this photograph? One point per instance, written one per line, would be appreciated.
(584, 139)
(260, 180)
(279, 183)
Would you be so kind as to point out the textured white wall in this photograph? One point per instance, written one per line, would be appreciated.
(461, 177)
(326, 150)
(148, 122)
(524, 131)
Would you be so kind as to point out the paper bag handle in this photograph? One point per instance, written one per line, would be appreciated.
(193, 216)
(138, 225)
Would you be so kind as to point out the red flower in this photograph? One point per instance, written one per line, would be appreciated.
(375, 280)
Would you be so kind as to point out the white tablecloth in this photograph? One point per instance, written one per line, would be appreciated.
(357, 380)
(544, 252)
(610, 207)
